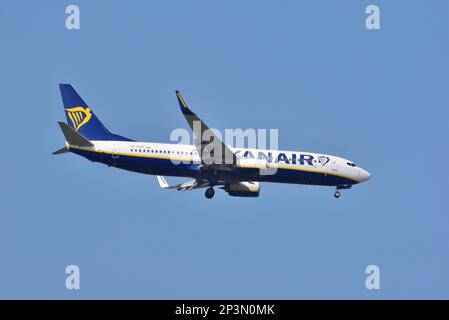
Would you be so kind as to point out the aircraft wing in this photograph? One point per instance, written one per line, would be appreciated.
(186, 186)
(211, 148)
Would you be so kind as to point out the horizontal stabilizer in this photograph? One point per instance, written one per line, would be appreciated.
(73, 137)
(61, 151)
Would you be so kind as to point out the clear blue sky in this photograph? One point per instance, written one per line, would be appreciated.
(309, 68)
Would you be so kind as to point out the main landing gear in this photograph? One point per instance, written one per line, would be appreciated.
(337, 194)
(209, 193)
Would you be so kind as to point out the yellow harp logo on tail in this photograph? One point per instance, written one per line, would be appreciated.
(79, 116)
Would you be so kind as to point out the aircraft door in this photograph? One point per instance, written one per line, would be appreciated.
(115, 151)
(334, 165)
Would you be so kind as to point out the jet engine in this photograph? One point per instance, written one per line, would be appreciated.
(243, 189)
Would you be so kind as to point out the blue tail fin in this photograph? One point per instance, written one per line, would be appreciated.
(82, 119)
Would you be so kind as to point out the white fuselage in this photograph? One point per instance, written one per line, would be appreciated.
(184, 160)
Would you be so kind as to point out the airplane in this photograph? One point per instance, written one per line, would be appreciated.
(238, 171)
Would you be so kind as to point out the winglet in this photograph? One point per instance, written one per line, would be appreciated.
(184, 107)
(162, 182)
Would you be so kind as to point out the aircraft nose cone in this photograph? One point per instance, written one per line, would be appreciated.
(364, 175)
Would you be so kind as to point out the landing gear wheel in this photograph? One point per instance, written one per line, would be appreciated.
(337, 194)
(209, 193)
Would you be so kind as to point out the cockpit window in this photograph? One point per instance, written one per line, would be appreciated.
(351, 164)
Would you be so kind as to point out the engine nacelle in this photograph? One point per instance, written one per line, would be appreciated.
(243, 189)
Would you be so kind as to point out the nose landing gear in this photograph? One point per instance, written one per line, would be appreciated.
(209, 193)
(337, 193)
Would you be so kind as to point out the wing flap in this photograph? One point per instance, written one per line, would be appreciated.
(186, 186)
